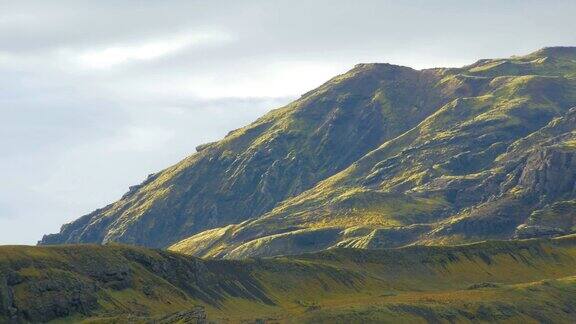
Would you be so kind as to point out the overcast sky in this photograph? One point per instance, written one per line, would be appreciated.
(95, 95)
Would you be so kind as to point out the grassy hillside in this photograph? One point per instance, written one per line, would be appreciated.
(497, 281)
(278, 156)
(482, 166)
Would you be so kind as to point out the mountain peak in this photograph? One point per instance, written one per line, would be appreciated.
(381, 68)
(375, 65)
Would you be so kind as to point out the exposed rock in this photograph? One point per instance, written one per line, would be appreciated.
(549, 174)
(531, 231)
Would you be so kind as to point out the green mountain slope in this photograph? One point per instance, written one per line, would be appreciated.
(381, 156)
(280, 155)
(489, 164)
(525, 280)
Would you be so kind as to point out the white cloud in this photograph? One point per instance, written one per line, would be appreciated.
(271, 79)
(109, 56)
(140, 138)
(19, 18)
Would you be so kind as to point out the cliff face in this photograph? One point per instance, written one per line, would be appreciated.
(550, 173)
(380, 156)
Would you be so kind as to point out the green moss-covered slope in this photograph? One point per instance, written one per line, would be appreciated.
(278, 156)
(497, 162)
(382, 156)
(496, 281)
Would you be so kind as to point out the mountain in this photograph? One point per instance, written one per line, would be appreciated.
(279, 156)
(499, 281)
(484, 165)
(381, 156)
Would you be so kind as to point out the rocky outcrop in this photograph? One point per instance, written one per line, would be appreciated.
(549, 174)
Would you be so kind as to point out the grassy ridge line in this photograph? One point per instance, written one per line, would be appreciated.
(85, 281)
